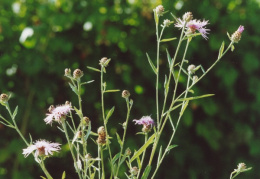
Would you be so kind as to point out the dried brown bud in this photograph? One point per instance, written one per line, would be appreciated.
(125, 94)
(77, 74)
(4, 97)
(128, 152)
(101, 130)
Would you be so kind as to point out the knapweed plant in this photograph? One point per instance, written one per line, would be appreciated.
(168, 110)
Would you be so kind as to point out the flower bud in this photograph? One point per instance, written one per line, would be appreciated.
(86, 121)
(51, 108)
(67, 72)
(77, 74)
(88, 156)
(101, 135)
(236, 36)
(68, 103)
(194, 79)
(125, 94)
(4, 98)
(166, 23)
(159, 10)
(104, 61)
(146, 128)
(128, 152)
(241, 167)
(134, 170)
(101, 130)
(187, 16)
(124, 125)
(191, 69)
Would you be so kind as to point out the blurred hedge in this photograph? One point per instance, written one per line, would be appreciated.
(216, 133)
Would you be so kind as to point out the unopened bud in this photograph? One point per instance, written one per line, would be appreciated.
(88, 156)
(4, 98)
(146, 128)
(166, 23)
(195, 79)
(236, 36)
(101, 130)
(187, 16)
(159, 10)
(86, 121)
(134, 170)
(77, 74)
(128, 152)
(68, 103)
(125, 94)
(241, 167)
(67, 72)
(104, 61)
(191, 69)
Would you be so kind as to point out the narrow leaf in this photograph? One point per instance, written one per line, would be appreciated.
(151, 64)
(228, 36)
(184, 107)
(221, 49)
(111, 91)
(94, 69)
(109, 114)
(173, 128)
(43, 177)
(84, 83)
(169, 58)
(159, 156)
(15, 112)
(123, 159)
(232, 48)
(196, 97)
(74, 88)
(146, 172)
(88, 132)
(138, 161)
(173, 108)
(167, 40)
(63, 175)
(171, 147)
(166, 86)
(115, 158)
(119, 140)
(79, 113)
(140, 151)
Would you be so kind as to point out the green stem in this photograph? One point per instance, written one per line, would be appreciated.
(45, 170)
(142, 160)
(102, 163)
(123, 140)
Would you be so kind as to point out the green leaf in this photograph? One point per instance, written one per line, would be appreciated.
(159, 156)
(232, 48)
(171, 147)
(123, 159)
(119, 140)
(87, 82)
(141, 150)
(79, 113)
(15, 112)
(228, 36)
(88, 132)
(169, 58)
(167, 40)
(196, 97)
(74, 88)
(173, 128)
(221, 49)
(94, 69)
(151, 64)
(115, 158)
(166, 86)
(146, 172)
(63, 175)
(110, 112)
(173, 108)
(111, 91)
(43, 177)
(184, 107)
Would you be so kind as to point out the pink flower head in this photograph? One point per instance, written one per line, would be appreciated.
(57, 113)
(146, 121)
(240, 29)
(41, 148)
(194, 25)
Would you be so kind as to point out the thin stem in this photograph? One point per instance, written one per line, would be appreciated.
(99, 168)
(123, 140)
(142, 160)
(45, 170)
(102, 163)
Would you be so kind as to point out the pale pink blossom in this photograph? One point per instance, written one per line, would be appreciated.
(57, 113)
(194, 25)
(41, 148)
(145, 120)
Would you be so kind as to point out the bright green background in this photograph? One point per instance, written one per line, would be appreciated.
(215, 134)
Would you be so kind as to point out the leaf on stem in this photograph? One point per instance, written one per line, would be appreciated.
(196, 97)
(84, 83)
(43, 177)
(115, 158)
(8, 125)
(123, 159)
(74, 88)
(88, 132)
(94, 69)
(169, 58)
(109, 114)
(173, 128)
(143, 148)
(79, 113)
(184, 107)
(167, 40)
(15, 112)
(119, 140)
(146, 172)
(171, 147)
(63, 175)
(173, 108)
(166, 85)
(159, 156)
(111, 91)
(151, 64)
(221, 49)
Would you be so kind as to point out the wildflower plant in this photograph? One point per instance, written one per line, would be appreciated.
(169, 110)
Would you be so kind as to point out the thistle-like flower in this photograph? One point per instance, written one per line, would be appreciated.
(193, 25)
(147, 123)
(236, 36)
(56, 114)
(77, 74)
(42, 148)
(125, 94)
(159, 10)
(4, 98)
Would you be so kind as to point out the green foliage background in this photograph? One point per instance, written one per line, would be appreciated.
(216, 133)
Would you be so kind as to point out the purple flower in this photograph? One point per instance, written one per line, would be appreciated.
(57, 113)
(240, 29)
(194, 25)
(146, 121)
(41, 148)
(236, 36)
